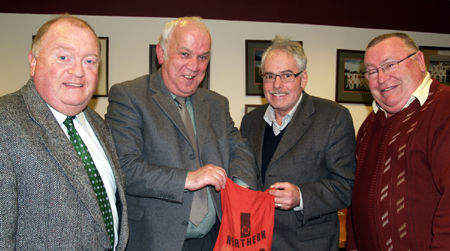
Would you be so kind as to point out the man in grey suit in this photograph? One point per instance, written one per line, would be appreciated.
(167, 162)
(47, 201)
(312, 166)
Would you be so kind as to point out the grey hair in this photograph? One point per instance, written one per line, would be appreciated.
(407, 40)
(285, 44)
(168, 29)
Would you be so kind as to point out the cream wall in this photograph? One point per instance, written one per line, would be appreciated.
(129, 39)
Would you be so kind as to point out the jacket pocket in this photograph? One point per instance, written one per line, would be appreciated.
(305, 157)
(316, 231)
(135, 212)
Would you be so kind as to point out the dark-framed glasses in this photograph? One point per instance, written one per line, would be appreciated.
(285, 77)
(388, 67)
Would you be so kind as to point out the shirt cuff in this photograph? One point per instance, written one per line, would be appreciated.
(299, 207)
(239, 182)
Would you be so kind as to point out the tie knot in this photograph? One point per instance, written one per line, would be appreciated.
(69, 121)
(181, 100)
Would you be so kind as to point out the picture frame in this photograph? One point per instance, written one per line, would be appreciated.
(154, 66)
(253, 54)
(437, 61)
(351, 85)
(102, 89)
(249, 108)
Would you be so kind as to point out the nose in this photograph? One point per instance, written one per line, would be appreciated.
(277, 84)
(192, 64)
(382, 77)
(77, 70)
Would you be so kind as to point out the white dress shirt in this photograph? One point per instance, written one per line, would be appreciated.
(98, 156)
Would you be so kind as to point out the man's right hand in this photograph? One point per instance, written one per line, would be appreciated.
(208, 175)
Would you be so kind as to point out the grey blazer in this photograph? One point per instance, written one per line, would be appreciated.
(317, 154)
(156, 155)
(46, 199)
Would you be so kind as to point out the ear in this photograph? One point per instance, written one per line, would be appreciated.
(160, 54)
(420, 58)
(304, 80)
(32, 61)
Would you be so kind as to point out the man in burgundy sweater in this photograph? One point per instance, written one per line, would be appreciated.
(401, 195)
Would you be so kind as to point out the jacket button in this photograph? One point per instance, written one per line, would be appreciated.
(192, 156)
(185, 223)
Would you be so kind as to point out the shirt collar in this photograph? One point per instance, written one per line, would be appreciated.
(421, 94)
(270, 118)
(61, 117)
(188, 99)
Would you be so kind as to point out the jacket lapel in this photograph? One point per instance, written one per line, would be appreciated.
(201, 112)
(296, 128)
(61, 149)
(259, 137)
(164, 99)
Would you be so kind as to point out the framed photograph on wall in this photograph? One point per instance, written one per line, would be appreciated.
(102, 87)
(351, 85)
(437, 60)
(154, 66)
(249, 108)
(253, 54)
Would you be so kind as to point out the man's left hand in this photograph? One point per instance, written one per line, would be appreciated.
(287, 195)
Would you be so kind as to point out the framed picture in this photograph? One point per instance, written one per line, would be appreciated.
(253, 53)
(102, 87)
(437, 60)
(351, 85)
(249, 108)
(254, 50)
(154, 66)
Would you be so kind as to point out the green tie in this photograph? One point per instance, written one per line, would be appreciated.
(94, 176)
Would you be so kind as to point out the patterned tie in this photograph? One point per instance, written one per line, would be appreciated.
(94, 176)
(199, 208)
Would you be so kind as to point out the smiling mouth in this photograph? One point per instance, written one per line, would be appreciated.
(72, 84)
(390, 88)
(188, 77)
(279, 93)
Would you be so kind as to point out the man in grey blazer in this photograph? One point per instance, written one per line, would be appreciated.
(304, 148)
(164, 172)
(47, 201)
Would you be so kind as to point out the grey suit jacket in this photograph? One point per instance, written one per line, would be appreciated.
(46, 199)
(156, 155)
(317, 154)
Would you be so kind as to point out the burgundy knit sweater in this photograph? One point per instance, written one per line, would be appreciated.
(401, 195)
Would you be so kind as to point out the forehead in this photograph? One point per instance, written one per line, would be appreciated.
(278, 60)
(389, 49)
(192, 36)
(67, 35)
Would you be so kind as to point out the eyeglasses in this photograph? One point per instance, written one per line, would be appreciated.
(286, 77)
(388, 67)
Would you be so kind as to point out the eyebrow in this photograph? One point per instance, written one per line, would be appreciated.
(189, 51)
(283, 71)
(386, 60)
(71, 48)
